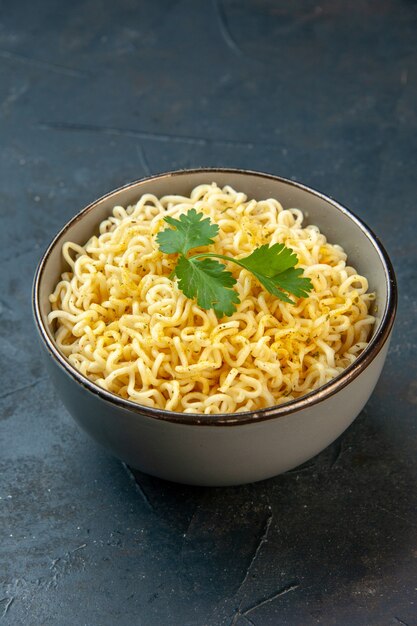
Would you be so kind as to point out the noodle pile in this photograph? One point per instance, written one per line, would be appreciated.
(125, 325)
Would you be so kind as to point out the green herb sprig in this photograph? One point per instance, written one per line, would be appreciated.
(208, 281)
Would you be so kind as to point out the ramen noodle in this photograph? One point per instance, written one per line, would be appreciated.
(123, 323)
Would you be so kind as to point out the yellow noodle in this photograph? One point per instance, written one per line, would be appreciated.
(123, 323)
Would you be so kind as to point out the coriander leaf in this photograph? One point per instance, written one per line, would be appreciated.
(270, 285)
(292, 281)
(209, 283)
(270, 260)
(274, 267)
(191, 231)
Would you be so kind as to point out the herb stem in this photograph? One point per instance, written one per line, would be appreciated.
(216, 256)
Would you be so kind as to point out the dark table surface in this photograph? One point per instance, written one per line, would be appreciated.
(96, 94)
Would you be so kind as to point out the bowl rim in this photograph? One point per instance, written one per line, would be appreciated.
(245, 417)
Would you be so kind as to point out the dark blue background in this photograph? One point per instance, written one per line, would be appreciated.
(96, 94)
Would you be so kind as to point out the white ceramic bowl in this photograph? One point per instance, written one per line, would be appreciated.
(237, 448)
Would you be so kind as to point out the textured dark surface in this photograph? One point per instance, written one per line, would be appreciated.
(96, 94)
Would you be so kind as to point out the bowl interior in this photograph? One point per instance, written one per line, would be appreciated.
(339, 226)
